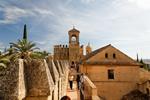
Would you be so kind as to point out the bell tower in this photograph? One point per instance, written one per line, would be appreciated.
(74, 46)
(88, 49)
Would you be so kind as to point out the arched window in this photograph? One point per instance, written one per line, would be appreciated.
(106, 55)
(114, 55)
(73, 39)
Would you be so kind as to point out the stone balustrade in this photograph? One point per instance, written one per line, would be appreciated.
(90, 90)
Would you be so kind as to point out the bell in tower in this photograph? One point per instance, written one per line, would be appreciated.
(74, 46)
(73, 36)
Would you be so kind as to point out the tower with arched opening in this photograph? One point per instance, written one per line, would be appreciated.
(74, 46)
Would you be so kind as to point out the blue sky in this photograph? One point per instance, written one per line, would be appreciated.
(123, 23)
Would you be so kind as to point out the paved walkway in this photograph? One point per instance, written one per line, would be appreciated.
(73, 94)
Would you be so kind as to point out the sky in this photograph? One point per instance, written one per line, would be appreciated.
(123, 23)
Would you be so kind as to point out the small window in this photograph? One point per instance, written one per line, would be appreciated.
(106, 55)
(114, 55)
(110, 74)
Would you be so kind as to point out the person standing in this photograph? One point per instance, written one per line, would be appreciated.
(71, 77)
(78, 80)
(81, 87)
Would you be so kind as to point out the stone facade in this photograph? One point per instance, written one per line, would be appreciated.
(9, 80)
(72, 52)
(88, 49)
(34, 80)
(114, 73)
(61, 52)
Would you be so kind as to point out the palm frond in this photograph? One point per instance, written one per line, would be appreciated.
(23, 47)
(2, 65)
(4, 60)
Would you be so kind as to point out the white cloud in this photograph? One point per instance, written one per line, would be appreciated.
(124, 23)
(1, 46)
(12, 14)
(43, 11)
(88, 1)
(41, 42)
(145, 4)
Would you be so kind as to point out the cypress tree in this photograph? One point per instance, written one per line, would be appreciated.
(141, 61)
(25, 32)
(137, 58)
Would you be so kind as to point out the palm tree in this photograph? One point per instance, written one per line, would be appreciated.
(3, 62)
(39, 54)
(23, 48)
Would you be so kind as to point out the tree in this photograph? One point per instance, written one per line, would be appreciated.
(144, 65)
(25, 32)
(23, 48)
(39, 54)
(137, 58)
(3, 62)
(141, 61)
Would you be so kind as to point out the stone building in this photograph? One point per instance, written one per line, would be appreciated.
(111, 71)
(88, 49)
(35, 80)
(61, 52)
(72, 52)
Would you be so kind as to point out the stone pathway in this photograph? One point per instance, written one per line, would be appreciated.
(73, 94)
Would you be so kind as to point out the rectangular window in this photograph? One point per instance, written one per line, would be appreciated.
(106, 55)
(114, 55)
(110, 74)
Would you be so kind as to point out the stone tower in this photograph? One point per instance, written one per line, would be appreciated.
(74, 46)
(88, 49)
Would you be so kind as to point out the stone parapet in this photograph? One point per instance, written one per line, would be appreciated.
(90, 90)
(9, 80)
(36, 79)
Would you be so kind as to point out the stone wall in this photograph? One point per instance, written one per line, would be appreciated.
(125, 79)
(90, 90)
(21, 84)
(144, 84)
(34, 80)
(9, 79)
(144, 75)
